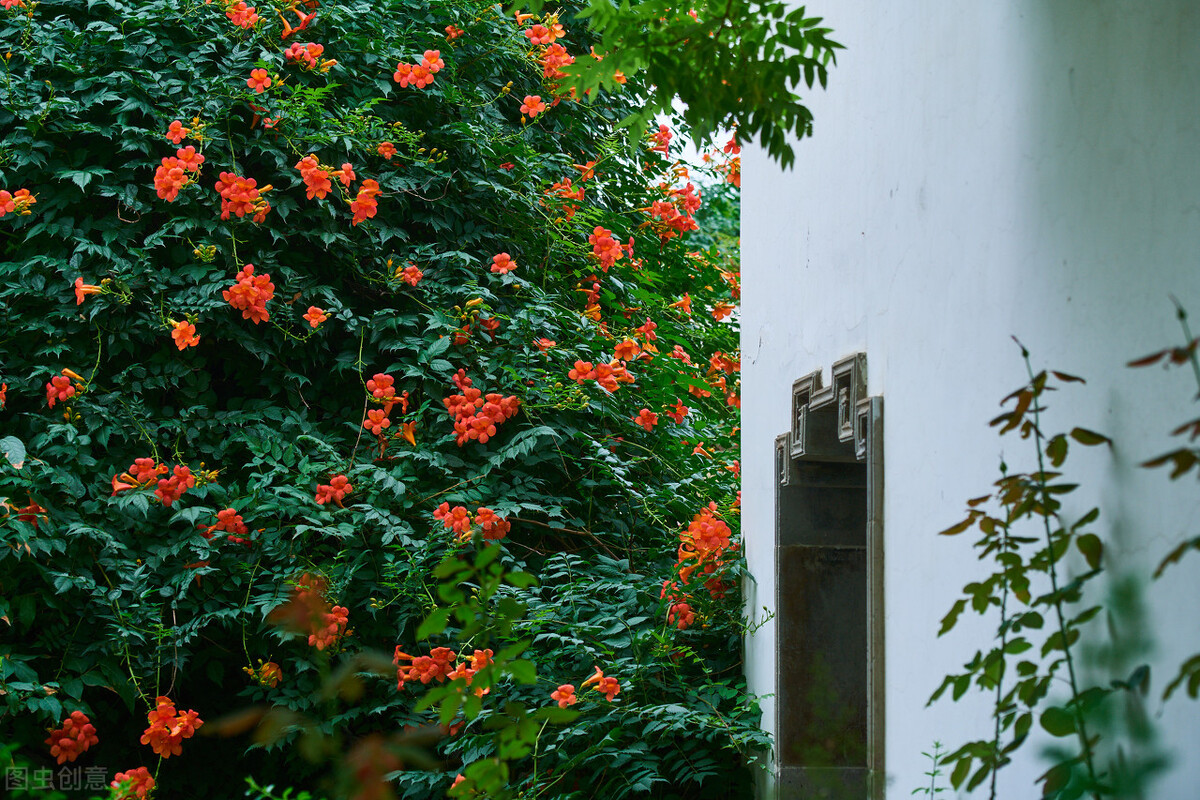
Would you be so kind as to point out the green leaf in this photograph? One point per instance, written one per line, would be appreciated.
(434, 624)
(1058, 722)
(1056, 450)
(522, 671)
(951, 617)
(13, 450)
(1092, 549)
(1089, 438)
(959, 774)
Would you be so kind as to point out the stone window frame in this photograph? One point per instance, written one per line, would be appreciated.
(837, 424)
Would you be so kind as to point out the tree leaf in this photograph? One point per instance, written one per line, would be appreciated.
(1089, 438)
(1058, 722)
(13, 450)
(1056, 449)
(1089, 544)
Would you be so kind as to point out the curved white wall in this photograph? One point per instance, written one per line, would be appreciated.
(984, 170)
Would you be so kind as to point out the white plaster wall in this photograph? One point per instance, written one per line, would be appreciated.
(982, 170)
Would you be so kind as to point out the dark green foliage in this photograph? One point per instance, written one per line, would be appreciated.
(110, 600)
(731, 63)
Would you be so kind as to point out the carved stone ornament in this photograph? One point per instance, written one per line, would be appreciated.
(828, 422)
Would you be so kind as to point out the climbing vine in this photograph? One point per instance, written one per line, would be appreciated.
(368, 407)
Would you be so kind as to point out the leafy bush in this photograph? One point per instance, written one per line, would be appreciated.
(247, 512)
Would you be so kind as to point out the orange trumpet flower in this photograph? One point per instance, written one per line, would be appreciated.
(406, 431)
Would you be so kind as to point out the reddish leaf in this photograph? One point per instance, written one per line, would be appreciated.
(960, 527)
(1146, 361)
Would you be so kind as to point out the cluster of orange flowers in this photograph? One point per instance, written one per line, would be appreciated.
(704, 542)
(330, 628)
(308, 56)
(551, 55)
(608, 686)
(250, 294)
(134, 783)
(172, 488)
(307, 612)
(553, 59)
(661, 139)
(228, 521)
(316, 180)
(316, 177)
(144, 473)
(476, 415)
(679, 611)
(419, 75)
(609, 376)
(266, 674)
(240, 14)
(605, 248)
(76, 735)
(365, 205)
(721, 365)
(439, 665)
(17, 202)
(172, 175)
(565, 191)
(241, 196)
(703, 547)
(674, 213)
(383, 390)
(545, 34)
(335, 491)
(492, 526)
(168, 728)
(63, 387)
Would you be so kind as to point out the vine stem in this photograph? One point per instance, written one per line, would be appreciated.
(933, 771)
(124, 641)
(359, 365)
(1004, 548)
(536, 744)
(1181, 314)
(245, 604)
(1043, 490)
